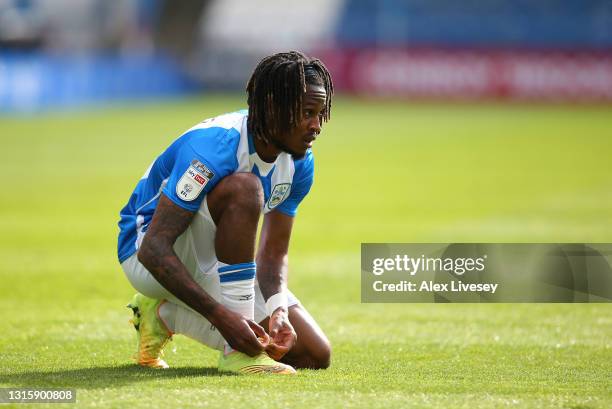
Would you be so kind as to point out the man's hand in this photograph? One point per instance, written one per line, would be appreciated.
(240, 333)
(282, 334)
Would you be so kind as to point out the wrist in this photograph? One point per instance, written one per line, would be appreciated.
(278, 300)
(215, 313)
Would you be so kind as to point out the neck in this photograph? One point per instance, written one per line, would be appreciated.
(266, 151)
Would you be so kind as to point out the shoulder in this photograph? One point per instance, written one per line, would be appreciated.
(223, 129)
(217, 139)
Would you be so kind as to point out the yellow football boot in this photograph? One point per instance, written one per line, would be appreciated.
(238, 362)
(153, 335)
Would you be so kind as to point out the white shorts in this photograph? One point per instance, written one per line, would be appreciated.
(195, 248)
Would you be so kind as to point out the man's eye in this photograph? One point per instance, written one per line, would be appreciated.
(307, 114)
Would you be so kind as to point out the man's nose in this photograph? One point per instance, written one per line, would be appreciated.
(315, 125)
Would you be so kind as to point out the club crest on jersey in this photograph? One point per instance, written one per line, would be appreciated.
(278, 194)
(193, 181)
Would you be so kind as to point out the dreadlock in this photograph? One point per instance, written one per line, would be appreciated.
(276, 90)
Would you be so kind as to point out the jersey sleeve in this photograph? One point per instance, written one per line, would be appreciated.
(302, 181)
(199, 165)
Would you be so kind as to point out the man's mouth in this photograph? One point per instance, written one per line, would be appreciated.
(309, 140)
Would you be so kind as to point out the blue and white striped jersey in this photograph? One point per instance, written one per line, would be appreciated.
(194, 163)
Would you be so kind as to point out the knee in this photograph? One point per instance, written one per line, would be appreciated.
(318, 357)
(244, 189)
(239, 191)
(321, 358)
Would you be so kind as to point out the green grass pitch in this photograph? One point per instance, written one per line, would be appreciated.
(386, 172)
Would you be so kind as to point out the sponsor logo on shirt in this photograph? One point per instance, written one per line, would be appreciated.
(200, 167)
(193, 181)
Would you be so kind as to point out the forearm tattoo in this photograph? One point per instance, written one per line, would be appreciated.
(157, 255)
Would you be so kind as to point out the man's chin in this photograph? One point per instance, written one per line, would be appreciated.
(297, 156)
(294, 154)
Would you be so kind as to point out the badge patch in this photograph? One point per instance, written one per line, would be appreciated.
(193, 181)
(278, 194)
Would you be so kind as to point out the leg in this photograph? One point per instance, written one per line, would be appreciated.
(230, 216)
(235, 205)
(312, 349)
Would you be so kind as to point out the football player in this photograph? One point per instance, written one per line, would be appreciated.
(188, 231)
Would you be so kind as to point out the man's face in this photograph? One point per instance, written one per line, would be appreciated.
(301, 138)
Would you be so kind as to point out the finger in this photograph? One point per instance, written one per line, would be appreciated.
(249, 348)
(251, 343)
(286, 338)
(281, 348)
(257, 329)
(281, 331)
(276, 352)
(259, 332)
(283, 341)
(274, 330)
(277, 324)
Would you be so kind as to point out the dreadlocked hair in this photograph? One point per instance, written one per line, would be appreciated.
(276, 91)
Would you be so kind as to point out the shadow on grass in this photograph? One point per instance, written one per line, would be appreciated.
(102, 377)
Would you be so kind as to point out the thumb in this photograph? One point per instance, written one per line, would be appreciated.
(259, 332)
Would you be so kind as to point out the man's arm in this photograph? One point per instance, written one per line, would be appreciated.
(272, 264)
(157, 255)
(272, 254)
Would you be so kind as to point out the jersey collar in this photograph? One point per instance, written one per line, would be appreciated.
(264, 167)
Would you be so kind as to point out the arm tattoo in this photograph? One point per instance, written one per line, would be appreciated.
(158, 256)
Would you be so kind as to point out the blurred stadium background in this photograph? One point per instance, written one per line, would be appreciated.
(473, 121)
(64, 53)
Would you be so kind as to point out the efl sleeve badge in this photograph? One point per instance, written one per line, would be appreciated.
(193, 181)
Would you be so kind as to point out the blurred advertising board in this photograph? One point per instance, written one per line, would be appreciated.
(473, 74)
(32, 82)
